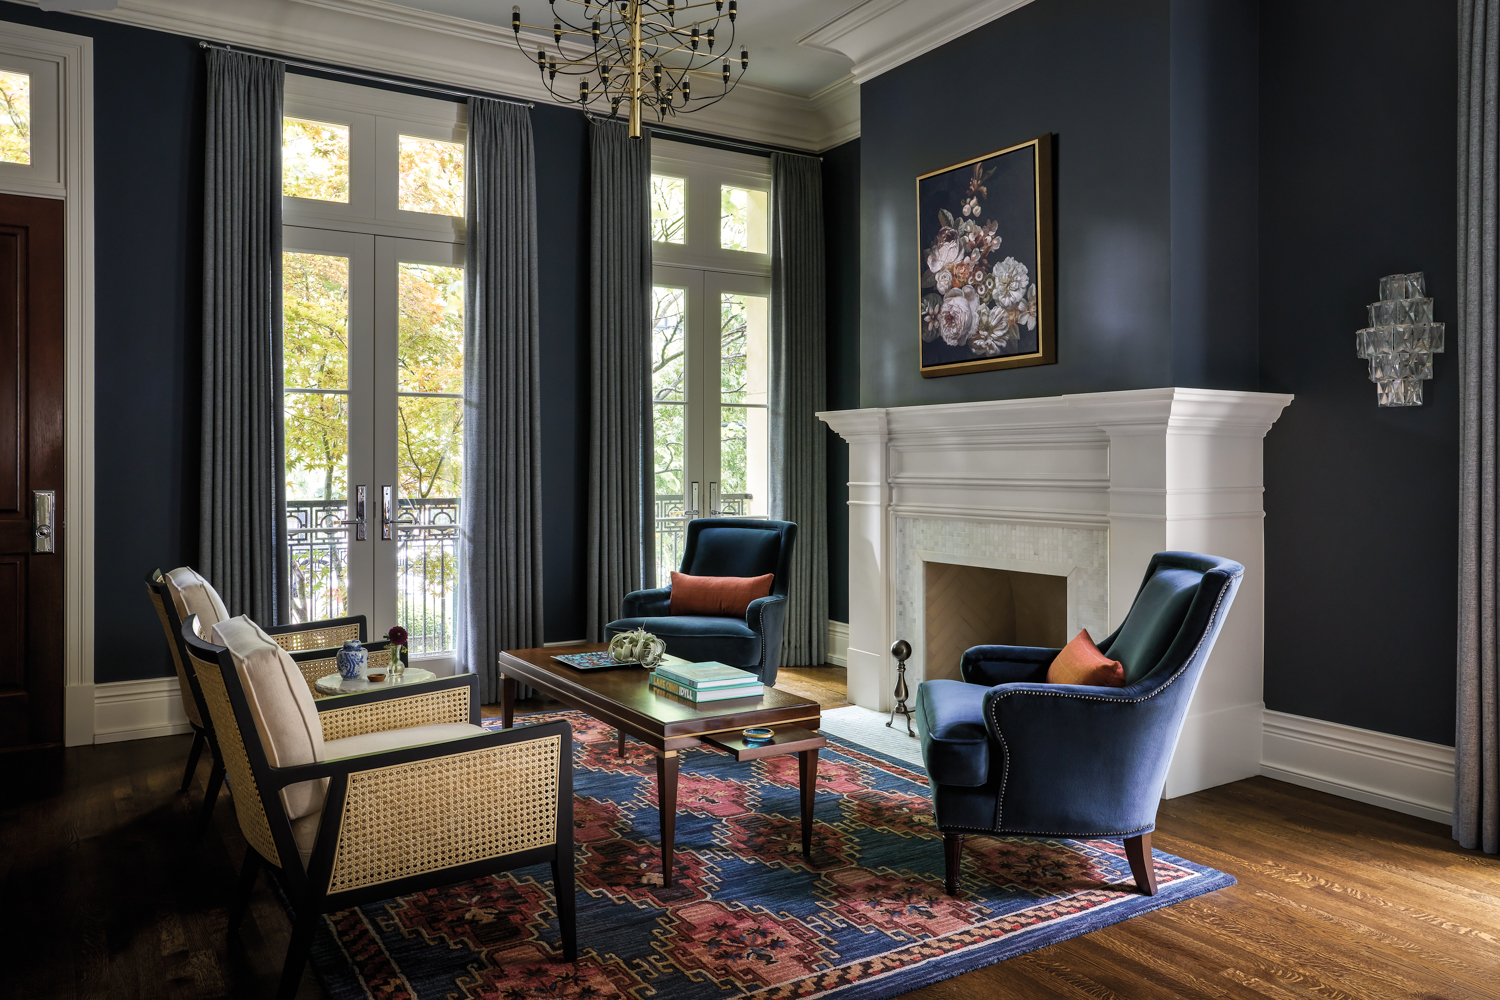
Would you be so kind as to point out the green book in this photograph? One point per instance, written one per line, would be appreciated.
(706, 676)
(713, 694)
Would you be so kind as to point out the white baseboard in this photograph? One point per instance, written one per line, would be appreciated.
(838, 643)
(1406, 775)
(78, 715)
(138, 710)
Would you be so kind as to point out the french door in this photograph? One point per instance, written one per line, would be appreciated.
(710, 391)
(372, 373)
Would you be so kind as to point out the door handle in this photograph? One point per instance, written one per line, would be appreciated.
(387, 512)
(358, 520)
(693, 511)
(713, 500)
(44, 520)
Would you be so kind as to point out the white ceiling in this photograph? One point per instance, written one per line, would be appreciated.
(769, 28)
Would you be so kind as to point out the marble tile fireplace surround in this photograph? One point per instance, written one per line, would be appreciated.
(1083, 487)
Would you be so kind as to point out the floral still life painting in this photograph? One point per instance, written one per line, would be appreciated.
(985, 230)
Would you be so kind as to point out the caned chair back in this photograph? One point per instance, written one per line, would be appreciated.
(171, 623)
(238, 743)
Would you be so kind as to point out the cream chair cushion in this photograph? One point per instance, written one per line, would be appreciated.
(194, 595)
(281, 704)
(305, 830)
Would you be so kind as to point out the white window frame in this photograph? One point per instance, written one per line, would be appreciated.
(376, 119)
(706, 171)
(43, 176)
(705, 271)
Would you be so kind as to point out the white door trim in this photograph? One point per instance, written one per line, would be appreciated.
(74, 55)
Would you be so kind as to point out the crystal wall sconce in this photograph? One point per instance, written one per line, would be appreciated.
(1401, 339)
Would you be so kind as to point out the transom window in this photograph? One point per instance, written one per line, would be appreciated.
(710, 339)
(15, 116)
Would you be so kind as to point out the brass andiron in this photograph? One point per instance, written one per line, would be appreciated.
(901, 649)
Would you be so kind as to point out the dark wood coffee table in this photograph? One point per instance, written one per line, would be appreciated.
(622, 697)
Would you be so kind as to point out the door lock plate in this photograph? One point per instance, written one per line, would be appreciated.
(44, 520)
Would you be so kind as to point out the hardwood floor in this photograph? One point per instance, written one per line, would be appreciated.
(106, 895)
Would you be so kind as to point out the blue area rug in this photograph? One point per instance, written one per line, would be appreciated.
(747, 916)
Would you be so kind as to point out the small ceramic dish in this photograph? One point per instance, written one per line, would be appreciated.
(758, 734)
(375, 678)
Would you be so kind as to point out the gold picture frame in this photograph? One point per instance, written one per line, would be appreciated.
(986, 297)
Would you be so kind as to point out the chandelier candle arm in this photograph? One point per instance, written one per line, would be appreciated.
(632, 38)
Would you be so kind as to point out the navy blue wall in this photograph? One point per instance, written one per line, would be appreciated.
(841, 236)
(1361, 502)
(1094, 73)
(148, 232)
(1225, 208)
(148, 146)
(1215, 205)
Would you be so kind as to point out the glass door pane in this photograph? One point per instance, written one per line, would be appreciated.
(315, 380)
(326, 379)
(429, 450)
(670, 400)
(739, 485)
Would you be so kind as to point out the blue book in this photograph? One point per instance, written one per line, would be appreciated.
(707, 676)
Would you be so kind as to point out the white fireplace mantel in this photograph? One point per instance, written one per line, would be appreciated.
(1139, 472)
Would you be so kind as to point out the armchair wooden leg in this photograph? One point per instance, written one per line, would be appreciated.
(193, 755)
(567, 924)
(953, 856)
(249, 870)
(1138, 850)
(296, 954)
(210, 796)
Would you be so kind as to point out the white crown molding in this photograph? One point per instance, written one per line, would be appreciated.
(882, 34)
(382, 37)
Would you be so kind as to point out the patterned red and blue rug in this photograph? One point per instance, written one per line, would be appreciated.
(747, 915)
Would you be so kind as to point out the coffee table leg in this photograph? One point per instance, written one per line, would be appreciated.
(507, 701)
(666, 805)
(622, 742)
(809, 797)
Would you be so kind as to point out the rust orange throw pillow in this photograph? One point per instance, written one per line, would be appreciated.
(725, 596)
(1080, 662)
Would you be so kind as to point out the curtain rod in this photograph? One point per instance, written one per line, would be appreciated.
(668, 130)
(357, 75)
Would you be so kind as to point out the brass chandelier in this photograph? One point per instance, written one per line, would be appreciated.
(642, 56)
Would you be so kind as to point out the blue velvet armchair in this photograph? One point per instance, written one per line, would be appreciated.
(723, 546)
(1009, 754)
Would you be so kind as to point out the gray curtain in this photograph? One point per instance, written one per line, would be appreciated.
(242, 534)
(798, 441)
(500, 532)
(1476, 802)
(621, 454)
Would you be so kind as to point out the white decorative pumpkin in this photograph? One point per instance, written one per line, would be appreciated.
(638, 646)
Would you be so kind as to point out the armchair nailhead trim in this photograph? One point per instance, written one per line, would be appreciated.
(995, 714)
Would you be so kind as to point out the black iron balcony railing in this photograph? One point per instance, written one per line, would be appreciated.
(671, 528)
(426, 567)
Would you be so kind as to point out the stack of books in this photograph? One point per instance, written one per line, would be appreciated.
(706, 681)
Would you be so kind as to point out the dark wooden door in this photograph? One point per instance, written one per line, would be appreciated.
(31, 460)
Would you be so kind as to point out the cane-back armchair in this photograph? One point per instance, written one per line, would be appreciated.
(379, 794)
(183, 592)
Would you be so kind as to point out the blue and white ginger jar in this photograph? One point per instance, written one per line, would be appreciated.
(353, 661)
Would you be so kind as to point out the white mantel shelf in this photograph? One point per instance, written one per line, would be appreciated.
(1148, 469)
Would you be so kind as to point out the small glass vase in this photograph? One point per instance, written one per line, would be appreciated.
(398, 665)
